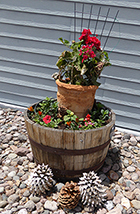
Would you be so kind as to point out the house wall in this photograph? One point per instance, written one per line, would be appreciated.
(29, 49)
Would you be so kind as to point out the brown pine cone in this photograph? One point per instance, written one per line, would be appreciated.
(69, 195)
(61, 112)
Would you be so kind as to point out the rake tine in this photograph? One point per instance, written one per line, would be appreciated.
(105, 23)
(110, 29)
(97, 20)
(90, 16)
(74, 21)
(82, 18)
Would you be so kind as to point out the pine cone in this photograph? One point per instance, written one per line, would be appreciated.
(69, 195)
(92, 191)
(61, 112)
(41, 179)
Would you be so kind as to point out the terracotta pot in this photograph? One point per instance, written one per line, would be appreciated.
(76, 98)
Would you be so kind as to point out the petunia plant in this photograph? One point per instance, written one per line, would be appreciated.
(84, 63)
(47, 113)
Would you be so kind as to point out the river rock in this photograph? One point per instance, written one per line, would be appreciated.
(102, 211)
(30, 206)
(23, 211)
(13, 198)
(109, 205)
(22, 137)
(129, 195)
(110, 195)
(22, 151)
(137, 193)
(136, 204)
(3, 204)
(133, 141)
(125, 202)
(1, 189)
(115, 211)
(50, 205)
(134, 176)
(117, 199)
(131, 168)
(113, 175)
(39, 207)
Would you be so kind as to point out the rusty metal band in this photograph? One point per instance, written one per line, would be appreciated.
(63, 173)
(70, 152)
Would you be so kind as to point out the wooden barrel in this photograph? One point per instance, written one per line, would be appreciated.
(69, 153)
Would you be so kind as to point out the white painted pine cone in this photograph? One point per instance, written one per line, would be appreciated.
(40, 179)
(92, 191)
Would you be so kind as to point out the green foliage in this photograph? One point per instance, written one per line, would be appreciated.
(49, 107)
(97, 117)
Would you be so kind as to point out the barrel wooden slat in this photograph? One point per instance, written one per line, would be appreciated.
(87, 159)
(69, 141)
(54, 138)
(97, 137)
(29, 126)
(79, 144)
(42, 135)
(38, 154)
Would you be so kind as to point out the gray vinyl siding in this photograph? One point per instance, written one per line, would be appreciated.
(29, 49)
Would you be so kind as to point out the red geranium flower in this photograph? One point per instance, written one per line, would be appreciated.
(30, 108)
(85, 34)
(87, 118)
(68, 123)
(40, 113)
(47, 119)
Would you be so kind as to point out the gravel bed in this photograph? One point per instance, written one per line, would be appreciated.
(120, 173)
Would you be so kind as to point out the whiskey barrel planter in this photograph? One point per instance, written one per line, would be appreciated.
(69, 153)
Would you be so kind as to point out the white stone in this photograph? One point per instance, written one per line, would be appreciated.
(1, 112)
(1, 189)
(109, 205)
(23, 211)
(119, 136)
(136, 204)
(12, 156)
(125, 202)
(5, 168)
(12, 174)
(116, 140)
(131, 168)
(115, 211)
(50, 205)
(138, 145)
(134, 176)
(119, 206)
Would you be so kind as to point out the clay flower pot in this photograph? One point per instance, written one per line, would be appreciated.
(76, 98)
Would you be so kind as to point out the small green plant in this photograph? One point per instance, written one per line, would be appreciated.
(47, 113)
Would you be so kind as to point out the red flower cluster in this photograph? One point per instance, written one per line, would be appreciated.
(85, 34)
(88, 117)
(47, 119)
(87, 52)
(88, 40)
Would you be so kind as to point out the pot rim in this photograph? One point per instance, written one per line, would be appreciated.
(75, 87)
